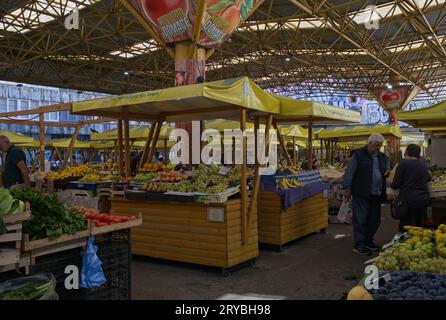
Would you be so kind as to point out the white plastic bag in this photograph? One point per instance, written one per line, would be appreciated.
(345, 212)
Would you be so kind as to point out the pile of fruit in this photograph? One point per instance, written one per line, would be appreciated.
(407, 285)
(286, 170)
(101, 219)
(159, 186)
(91, 178)
(440, 240)
(171, 176)
(112, 178)
(415, 254)
(68, 172)
(153, 167)
(208, 179)
(144, 177)
(292, 183)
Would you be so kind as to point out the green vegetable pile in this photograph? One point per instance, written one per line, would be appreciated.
(50, 218)
(9, 205)
(29, 292)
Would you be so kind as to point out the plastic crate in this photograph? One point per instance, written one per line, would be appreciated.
(114, 250)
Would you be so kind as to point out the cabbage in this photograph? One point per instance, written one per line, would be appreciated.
(6, 201)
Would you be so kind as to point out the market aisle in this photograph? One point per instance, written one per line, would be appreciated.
(316, 267)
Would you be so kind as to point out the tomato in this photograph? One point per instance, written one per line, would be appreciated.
(132, 218)
(115, 219)
(125, 218)
(99, 223)
(103, 217)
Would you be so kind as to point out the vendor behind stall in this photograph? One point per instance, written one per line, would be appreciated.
(15, 170)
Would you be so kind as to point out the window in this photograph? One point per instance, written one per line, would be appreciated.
(19, 105)
(50, 116)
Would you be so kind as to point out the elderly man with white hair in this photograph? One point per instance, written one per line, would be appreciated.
(364, 184)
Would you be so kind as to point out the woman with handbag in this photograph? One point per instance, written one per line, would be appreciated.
(411, 178)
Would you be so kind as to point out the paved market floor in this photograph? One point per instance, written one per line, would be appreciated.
(320, 266)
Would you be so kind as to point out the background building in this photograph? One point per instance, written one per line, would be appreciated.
(14, 97)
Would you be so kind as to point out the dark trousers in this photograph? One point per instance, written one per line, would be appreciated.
(416, 212)
(366, 219)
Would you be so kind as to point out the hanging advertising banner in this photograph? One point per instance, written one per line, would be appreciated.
(392, 99)
(173, 20)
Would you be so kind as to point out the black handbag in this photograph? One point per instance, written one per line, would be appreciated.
(398, 209)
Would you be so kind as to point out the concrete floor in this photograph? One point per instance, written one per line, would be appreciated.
(315, 267)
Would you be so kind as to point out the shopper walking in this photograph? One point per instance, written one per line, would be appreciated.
(364, 185)
(411, 178)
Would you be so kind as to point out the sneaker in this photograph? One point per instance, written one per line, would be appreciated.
(362, 251)
(373, 247)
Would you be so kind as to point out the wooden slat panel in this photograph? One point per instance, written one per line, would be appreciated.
(181, 251)
(191, 236)
(181, 243)
(148, 227)
(140, 250)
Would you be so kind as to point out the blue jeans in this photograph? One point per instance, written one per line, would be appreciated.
(366, 219)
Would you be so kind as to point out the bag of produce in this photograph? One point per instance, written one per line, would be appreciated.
(345, 212)
(37, 287)
(92, 275)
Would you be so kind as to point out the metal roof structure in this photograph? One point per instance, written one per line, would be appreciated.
(303, 47)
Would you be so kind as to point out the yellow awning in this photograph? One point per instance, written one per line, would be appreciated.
(345, 133)
(65, 143)
(432, 116)
(159, 145)
(33, 145)
(301, 111)
(137, 133)
(16, 138)
(210, 100)
(102, 145)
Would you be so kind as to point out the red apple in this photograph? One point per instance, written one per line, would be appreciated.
(390, 96)
(154, 9)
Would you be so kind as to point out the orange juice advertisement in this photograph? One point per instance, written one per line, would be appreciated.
(173, 20)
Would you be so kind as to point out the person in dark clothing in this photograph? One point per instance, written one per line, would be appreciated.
(15, 170)
(411, 178)
(364, 184)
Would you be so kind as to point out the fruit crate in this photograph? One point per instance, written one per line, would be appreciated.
(114, 250)
(437, 192)
(10, 241)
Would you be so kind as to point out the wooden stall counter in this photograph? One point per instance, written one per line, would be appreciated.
(205, 234)
(278, 227)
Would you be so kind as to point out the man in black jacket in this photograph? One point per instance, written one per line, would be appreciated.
(364, 183)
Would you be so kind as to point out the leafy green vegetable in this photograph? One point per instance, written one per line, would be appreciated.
(50, 218)
(30, 292)
(6, 201)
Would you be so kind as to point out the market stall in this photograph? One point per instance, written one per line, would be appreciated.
(41, 234)
(351, 136)
(411, 267)
(432, 121)
(292, 203)
(216, 228)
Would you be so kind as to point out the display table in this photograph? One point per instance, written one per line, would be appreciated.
(205, 234)
(278, 226)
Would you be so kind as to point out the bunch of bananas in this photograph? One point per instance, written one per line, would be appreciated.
(91, 178)
(159, 186)
(285, 184)
(80, 171)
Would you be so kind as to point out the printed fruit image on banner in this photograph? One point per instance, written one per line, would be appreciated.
(173, 20)
(392, 99)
